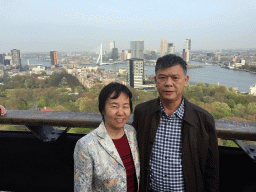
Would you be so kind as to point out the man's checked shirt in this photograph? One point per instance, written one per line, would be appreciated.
(165, 164)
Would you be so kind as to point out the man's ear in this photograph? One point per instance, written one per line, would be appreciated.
(155, 81)
(186, 80)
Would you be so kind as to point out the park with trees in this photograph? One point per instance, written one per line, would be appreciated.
(63, 92)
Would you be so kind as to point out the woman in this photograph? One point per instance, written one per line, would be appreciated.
(107, 159)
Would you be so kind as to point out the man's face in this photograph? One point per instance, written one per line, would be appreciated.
(170, 83)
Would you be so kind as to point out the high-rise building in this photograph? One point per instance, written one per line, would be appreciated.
(114, 54)
(112, 45)
(128, 54)
(16, 62)
(125, 55)
(186, 50)
(163, 47)
(137, 48)
(54, 58)
(170, 49)
(8, 60)
(2, 58)
(135, 72)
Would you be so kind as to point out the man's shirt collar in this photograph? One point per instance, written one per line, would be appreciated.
(179, 112)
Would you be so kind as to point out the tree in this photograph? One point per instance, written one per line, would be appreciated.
(195, 92)
(239, 110)
(43, 73)
(251, 108)
(97, 88)
(63, 83)
(211, 89)
(219, 96)
(52, 93)
(29, 83)
(26, 68)
(60, 108)
(221, 110)
(222, 89)
(90, 95)
(65, 97)
(135, 95)
(64, 71)
(231, 95)
(43, 102)
(241, 99)
(208, 107)
(78, 89)
(231, 103)
(208, 99)
(192, 100)
(87, 105)
(15, 103)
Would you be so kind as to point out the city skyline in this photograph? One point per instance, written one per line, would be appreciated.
(38, 26)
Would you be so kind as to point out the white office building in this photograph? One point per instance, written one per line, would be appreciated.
(135, 72)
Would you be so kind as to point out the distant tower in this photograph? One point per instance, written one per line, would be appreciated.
(2, 58)
(135, 72)
(186, 50)
(54, 58)
(112, 45)
(114, 54)
(170, 49)
(16, 62)
(99, 60)
(137, 48)
(163, 47)
(123, 55)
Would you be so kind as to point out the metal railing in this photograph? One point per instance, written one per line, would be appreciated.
(46, 148)
(234, 130)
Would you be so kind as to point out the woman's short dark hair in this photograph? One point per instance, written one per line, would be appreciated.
(117, 89)
(169, 61)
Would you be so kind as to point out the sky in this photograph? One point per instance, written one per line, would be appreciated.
(80, 25)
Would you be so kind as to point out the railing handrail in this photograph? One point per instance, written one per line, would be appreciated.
(226, 129)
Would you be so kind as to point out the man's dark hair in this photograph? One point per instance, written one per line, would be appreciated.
(117, 89)
(169, 61)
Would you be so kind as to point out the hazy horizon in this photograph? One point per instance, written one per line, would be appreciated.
(76, 26)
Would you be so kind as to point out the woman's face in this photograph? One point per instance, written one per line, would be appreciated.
(117, 111)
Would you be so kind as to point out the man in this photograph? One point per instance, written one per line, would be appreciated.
(177, 140)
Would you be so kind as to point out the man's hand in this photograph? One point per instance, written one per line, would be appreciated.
(3, 111)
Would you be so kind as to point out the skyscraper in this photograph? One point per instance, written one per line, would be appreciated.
(170, 49)
(114, 54)
(186, 50)
(112, 45)
(54, 58)
(135, 72)
(163, 47)
(8, 60)
(137, 48)
(123, 55)
(16, 62)
(2, 58)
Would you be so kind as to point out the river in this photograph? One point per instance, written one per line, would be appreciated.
(207, 74)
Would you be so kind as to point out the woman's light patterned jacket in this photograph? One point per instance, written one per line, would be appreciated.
(97, 164)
